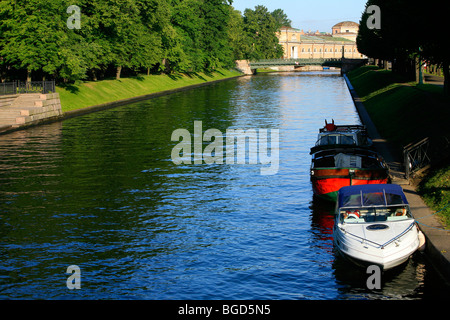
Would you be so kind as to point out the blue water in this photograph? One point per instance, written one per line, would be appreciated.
(101, 192)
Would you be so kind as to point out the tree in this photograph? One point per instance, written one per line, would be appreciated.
(281, 18)
(239, 41)
(216, 17)
(32, 34)
(261, 28)
(406, 36)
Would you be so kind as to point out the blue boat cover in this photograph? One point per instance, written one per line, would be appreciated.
(371, 195)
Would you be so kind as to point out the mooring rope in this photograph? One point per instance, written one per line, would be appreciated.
(429, 215)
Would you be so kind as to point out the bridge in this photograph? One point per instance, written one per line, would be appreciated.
(249, 67)
(267, 63)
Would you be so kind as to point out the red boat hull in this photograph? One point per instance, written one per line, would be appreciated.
(327, 182)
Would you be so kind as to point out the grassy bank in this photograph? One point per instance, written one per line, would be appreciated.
(406, 112)
(93, 93)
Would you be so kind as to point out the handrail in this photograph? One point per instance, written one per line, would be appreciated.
(415, 156)
(382, 246)
(399, 236)
(18, 87)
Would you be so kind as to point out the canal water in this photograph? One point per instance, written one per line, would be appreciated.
(101, 192)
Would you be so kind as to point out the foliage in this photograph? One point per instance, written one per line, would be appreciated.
(131, 36)
(261, 26)
(406, 33)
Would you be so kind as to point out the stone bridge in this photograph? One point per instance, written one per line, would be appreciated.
(346, 65)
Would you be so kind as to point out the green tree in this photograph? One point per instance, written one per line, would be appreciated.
(32, 33)
(188, 25)
(281, 18)
(405, 36)
(261, 29)
(238, 39)
(215, 42)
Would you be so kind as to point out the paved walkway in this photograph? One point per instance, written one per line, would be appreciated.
(432, 79)
(437, 239)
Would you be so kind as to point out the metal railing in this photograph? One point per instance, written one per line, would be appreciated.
(416, 156)
(7, 88)
(294, 62)
(18, 87)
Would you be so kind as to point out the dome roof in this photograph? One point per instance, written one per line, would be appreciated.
(346, 24)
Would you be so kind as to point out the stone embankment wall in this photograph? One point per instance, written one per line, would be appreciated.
(27, 109)
(244, 66)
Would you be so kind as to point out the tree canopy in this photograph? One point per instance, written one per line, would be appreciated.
(131, 36)
(407, 33)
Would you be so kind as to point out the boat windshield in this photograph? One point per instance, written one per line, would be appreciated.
(375, 214)
(332, 139)
(367, 199)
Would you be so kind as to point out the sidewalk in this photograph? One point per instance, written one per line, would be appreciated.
(437, 239)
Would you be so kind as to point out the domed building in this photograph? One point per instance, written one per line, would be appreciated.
(345, 29)
(341, 42)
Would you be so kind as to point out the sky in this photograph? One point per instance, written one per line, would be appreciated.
(311, 14)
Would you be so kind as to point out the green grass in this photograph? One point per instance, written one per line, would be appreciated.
(93, 93)
(402, 111)
(435, 190)
(406, 112)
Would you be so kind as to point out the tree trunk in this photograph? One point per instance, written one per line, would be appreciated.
(28, 75)
(94, 75)
(148, 71)
(446, 70)
(119, 70)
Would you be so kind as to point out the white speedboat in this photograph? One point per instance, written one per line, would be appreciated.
(374, 225)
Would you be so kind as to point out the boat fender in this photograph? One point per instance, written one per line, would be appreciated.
(352, 214)
(421, 241)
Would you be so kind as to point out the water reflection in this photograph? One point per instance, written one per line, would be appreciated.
(100, 191)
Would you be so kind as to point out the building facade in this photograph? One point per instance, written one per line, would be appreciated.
(345, 29)
(299, 45)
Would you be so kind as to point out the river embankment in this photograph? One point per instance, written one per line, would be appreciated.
(95, 95)
(85, 97)
(398, 112)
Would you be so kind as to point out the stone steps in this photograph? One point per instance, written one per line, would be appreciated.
(29, 108)
(6, 101)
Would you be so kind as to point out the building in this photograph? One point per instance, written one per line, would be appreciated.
(345, 29)
(300, 45)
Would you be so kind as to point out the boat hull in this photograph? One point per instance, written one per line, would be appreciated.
(363, 254)
(327, 182)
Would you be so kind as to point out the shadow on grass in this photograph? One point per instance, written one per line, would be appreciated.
(175, 76)
(70, 87)
(139, 78)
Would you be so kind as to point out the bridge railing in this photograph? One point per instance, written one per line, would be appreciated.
(295, 62)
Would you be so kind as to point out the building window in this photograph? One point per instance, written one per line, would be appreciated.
(309, 49)
(294, 37)
(315, 50)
